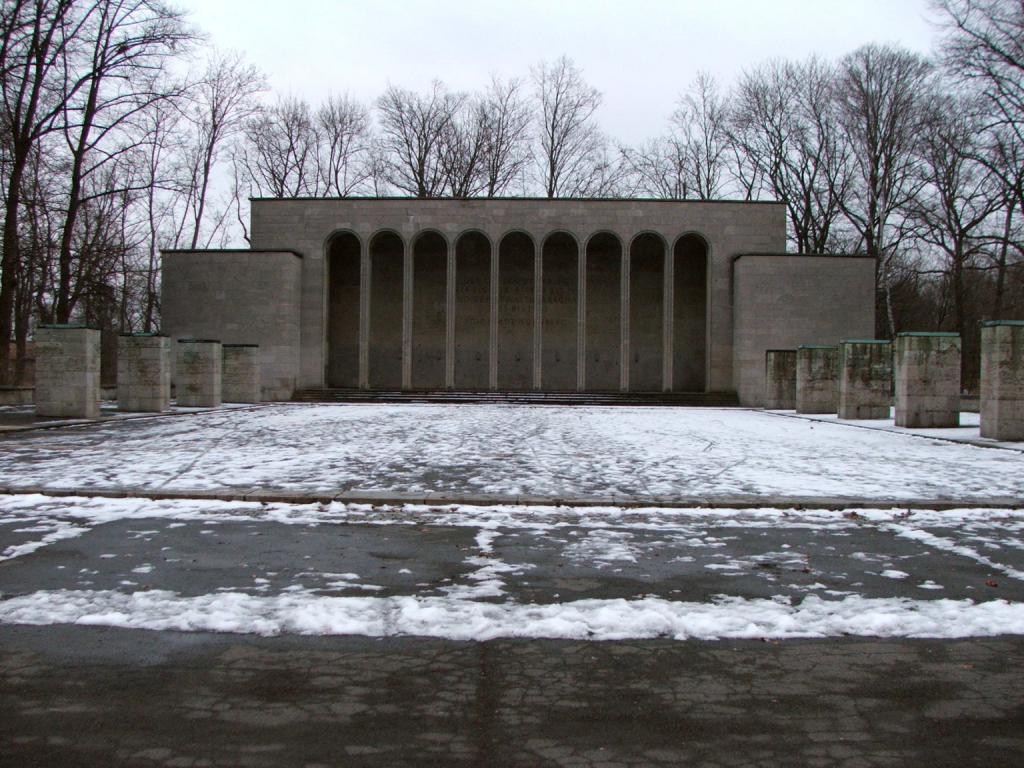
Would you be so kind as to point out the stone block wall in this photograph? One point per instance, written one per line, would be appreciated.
(817, 378)
(67, 371)
(199, 368)
(783, 300)
(241, 373)
(780, 379)
(1002, 380)
(927, 390)
(143, 372)
(238, 297)
(865, 379)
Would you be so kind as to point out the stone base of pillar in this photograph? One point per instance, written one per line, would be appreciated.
(1002, 380)
(198, 368)
(241, 373)
(780, 379)
(67, 371)
(143, 372)
(817, 378)
(865, 379)
(927, 380)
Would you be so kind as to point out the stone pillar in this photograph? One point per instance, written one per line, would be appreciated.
(1002, 379)
(865, 379)
(581, 319)
(492, 359)
(449, 317)
(668, 297)
(624, 320)
(198, 373)
(538, 313)
(780, 379)
(240, 382)
(817, 378)
(407, 296)
(927, 380)
(143, 372)
(364, 314)
(67, 371)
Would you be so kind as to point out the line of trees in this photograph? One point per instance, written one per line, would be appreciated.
(123, 132)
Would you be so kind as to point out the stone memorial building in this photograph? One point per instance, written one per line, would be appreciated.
(516, 295)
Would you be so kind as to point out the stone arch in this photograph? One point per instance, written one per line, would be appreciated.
(516, 255)
(690, 259)
(387, 283)
(344, 281)
(560, 260)
(429, 332)
(603, 316)
(472, 310)
(646, 311)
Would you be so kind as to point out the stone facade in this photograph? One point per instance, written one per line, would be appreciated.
(1002, 380)
(67, 371)
(241, 373)
(927, 391)
(817, 378)
(516, 294)
(865, 379)
(780, 379)
(143, 372)
(199, 367)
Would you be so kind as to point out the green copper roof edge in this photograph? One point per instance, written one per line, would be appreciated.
(865, 341)
(940, 334)
(995, 323)
(818, 346)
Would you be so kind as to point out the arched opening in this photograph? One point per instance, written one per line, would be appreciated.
(689, 314)
(646, 310)
(387, 270)
(429, 310)
(515, 312)
(559, 312)
(343, 279)
(472, 311)
(603, 340)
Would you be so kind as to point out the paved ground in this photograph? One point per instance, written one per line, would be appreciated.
(185, 632)
(650, 454)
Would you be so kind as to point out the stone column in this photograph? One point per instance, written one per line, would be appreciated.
(364, 313)
(449, 318)
(407, 298)
(538, 313)
(927, 380)
(668, 319)
(1002, 379)
(624, 320)
(865, 379)
(492, 360)
(581, 319)
(817, 379)
(67, 371)
(143, 372)
(197, 372)
(780, 379)
(241, 373)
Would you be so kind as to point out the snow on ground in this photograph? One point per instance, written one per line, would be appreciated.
(637, 453)
(787, 573)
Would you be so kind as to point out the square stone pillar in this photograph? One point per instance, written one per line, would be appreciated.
(198, 369)
(1002, 379)
(143, 372)
(817, 378)
(67, 371)
(865, 379)
(241, 379)
(780, 379)
(927, 380)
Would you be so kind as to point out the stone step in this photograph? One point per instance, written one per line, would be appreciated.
(345, 395)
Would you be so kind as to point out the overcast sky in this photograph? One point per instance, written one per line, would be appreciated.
(639, 53)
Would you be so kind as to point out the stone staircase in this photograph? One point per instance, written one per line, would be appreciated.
(690, 399)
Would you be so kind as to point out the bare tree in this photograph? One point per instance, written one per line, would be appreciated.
(280, 150)
(658, 168)
(463, 150)
(570, 146)
(700, 129)
(35, 39)
(783, 123)
(506, 124)
(343, 164)
(881, 91)
(125, 47)
(222, 102)
(413, 131)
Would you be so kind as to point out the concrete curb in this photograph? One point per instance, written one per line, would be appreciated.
(124, 417)
(392, 498)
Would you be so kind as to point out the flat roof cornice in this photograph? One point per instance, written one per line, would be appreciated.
(553, 200)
